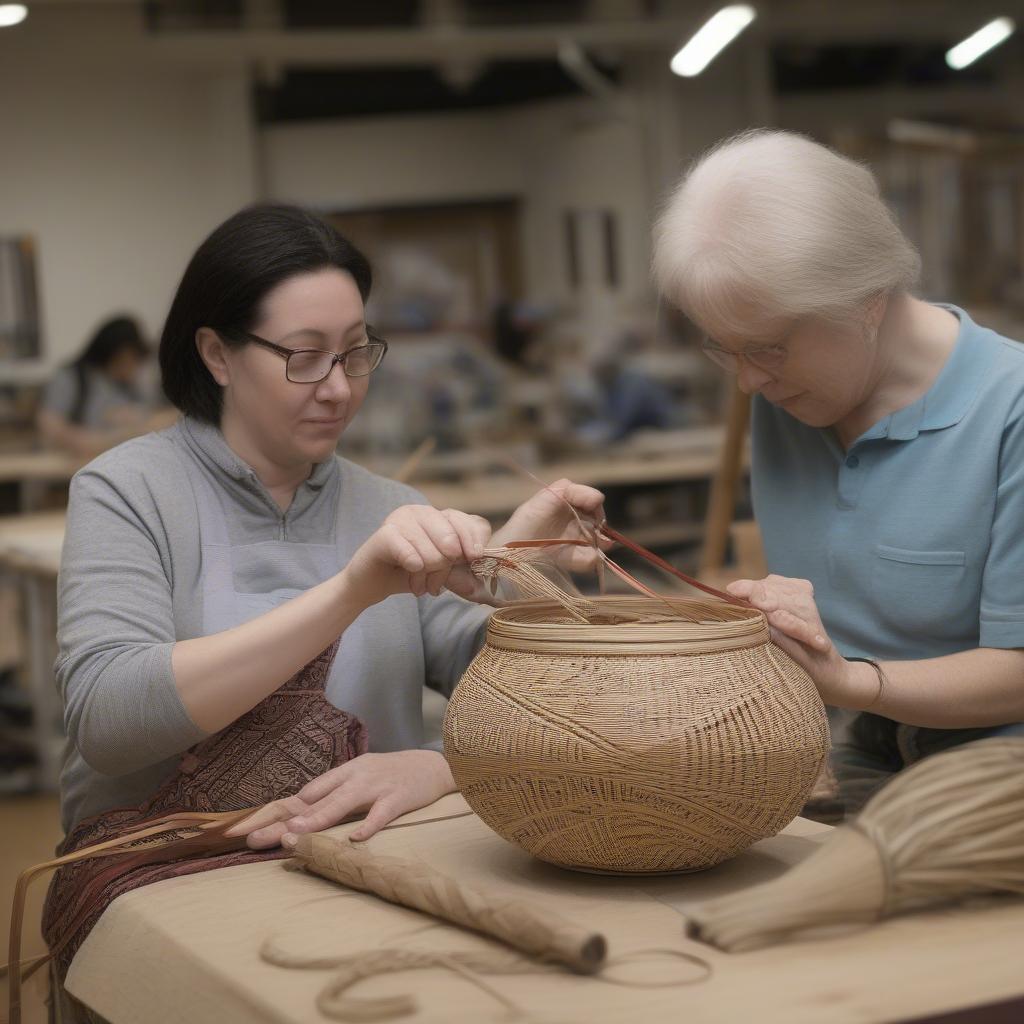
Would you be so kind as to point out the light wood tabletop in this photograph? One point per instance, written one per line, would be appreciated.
(189, 948)
(37, 465)
(31, 543)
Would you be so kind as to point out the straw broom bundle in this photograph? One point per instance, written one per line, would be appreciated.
(947, 829)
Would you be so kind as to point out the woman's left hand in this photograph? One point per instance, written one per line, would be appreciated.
(385, 786)
(796, 627)
(546, 515)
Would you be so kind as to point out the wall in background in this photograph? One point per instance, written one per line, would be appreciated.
(391, 161)
(554, 158)
(117, 168)
(600, 160)
(120, 158)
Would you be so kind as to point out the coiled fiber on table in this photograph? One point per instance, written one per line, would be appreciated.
(640, 741)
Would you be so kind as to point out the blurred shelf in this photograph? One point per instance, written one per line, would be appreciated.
(667, 534)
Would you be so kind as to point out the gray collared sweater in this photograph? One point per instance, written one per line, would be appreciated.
(130, 587)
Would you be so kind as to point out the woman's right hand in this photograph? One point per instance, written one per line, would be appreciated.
(419, 550)
(795, 625)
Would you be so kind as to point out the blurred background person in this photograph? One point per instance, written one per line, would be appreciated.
(630, 398)
(100, 399)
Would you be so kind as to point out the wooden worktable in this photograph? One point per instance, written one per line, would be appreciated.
(495, 495)
(187, 949)
(30, 558)
(31, 543)
(32, 471)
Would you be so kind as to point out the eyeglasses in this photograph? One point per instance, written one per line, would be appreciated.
(765, 357)
(312, 365)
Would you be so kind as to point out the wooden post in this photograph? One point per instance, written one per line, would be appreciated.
(722, 501)
(408, 468)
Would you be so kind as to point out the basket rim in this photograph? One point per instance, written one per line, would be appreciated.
(522, 626)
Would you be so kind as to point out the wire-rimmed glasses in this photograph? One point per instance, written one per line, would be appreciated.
(312, 365)
(765, 357)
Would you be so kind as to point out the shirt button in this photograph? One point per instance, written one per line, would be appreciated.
(853, 461)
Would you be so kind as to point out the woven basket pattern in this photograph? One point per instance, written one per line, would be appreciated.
(626, 746)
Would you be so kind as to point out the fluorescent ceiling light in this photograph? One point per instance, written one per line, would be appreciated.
(711, 39)
(980, 43)
(12, 14)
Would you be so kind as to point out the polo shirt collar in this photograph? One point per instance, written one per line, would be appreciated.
(946, 402)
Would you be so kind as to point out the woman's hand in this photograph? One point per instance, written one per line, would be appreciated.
(419, 550)
(796, 627)
(385, 786)
(546, 515)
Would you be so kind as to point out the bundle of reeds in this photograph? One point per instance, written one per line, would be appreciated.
(947, 829)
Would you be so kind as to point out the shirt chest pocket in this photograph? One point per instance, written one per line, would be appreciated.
(921, 592)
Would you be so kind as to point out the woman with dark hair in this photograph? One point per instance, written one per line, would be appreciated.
(95, 402)
(246, 618)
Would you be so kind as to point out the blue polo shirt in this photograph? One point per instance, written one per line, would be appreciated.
(914, 537)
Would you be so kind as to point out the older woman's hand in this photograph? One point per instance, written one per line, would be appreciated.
(418, 550)
(384, 786)
(796, 627)
(546, 515)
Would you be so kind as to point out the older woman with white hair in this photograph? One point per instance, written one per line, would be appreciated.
(888, 448)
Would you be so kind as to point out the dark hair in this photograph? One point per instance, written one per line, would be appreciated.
(228, 278)
(117, 335)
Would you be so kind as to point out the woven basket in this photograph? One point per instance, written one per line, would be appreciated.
(634, 747)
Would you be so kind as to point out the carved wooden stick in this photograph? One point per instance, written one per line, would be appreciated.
(524, 926)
